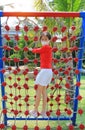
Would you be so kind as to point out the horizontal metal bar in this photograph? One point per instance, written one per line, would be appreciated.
(42, 14)
(40, 118)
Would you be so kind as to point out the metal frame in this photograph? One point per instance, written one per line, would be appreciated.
(80, 55)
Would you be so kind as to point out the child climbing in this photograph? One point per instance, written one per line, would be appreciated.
(45, 75)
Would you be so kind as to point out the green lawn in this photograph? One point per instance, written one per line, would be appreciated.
(31, 92)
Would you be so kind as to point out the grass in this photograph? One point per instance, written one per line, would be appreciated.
(31, 93)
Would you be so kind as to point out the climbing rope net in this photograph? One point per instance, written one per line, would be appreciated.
(20, 68)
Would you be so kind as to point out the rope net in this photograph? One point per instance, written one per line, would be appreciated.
(22, 66)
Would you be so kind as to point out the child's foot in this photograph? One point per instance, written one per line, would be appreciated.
(43, 114)
(33, 113)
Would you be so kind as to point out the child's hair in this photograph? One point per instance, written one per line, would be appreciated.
(47, 34)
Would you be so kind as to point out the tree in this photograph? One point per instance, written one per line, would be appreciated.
(42, 5)
(68, 5)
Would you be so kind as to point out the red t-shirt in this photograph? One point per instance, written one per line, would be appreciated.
(45, 56)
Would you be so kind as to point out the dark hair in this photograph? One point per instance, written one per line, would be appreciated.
(47, 34)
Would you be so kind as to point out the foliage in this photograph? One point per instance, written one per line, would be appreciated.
(42, 5)
(69, 5)
(21, 43)
(11, 44)
(39, 5)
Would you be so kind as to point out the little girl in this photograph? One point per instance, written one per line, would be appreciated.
(45, 75)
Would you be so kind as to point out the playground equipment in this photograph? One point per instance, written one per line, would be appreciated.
(17, 89)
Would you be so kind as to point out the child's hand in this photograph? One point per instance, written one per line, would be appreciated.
(30, 49)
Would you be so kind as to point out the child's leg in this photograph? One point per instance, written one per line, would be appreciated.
(44, 96)
(38, 97)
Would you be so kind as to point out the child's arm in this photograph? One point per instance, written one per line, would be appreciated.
(36, 50)
(41, 50)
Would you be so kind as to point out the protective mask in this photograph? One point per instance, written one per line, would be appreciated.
(44, 43)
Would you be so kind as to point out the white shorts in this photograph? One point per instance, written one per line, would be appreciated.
(44, 77)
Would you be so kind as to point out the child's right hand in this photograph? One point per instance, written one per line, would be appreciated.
(30, 49)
